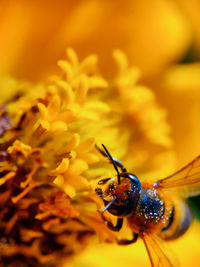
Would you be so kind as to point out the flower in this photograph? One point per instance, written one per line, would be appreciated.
(49, 163)
(46, 141)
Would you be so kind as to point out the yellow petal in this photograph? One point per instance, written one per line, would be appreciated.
(72, 56)
(86, 145)
(97, 82)
(53, 107)
(66, 67)
(82, 89)
(43, 111)
(88, 64)
(62, 167)
(77, 166)
(69, 94)
(58, 126)
(59, 180)
(70, 191)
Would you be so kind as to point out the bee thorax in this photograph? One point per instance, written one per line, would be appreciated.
(150, 206)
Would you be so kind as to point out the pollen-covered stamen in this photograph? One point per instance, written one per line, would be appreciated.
(26, 161)
(59, 204)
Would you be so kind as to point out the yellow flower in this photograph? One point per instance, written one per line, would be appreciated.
(49, 162)
(48, 130)
(153, 35)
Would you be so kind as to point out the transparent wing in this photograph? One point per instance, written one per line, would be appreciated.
(158, 255)
(186, 181)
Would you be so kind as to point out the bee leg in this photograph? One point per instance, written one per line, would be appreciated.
(117, 162)
(117, 227)
(110, 225)
(127, 242)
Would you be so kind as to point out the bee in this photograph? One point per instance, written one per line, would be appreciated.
(155, 211)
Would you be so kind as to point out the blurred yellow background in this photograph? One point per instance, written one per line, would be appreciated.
(160, 37)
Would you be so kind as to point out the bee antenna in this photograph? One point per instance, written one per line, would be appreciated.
(109, 204)
(113, 162)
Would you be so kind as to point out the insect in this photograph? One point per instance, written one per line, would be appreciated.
(154, 211)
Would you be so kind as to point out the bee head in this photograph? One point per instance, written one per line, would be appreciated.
(120, 199)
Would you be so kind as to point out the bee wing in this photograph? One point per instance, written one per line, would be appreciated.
(186, 181)
(156, 251)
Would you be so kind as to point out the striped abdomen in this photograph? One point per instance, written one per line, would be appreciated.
(179, 220)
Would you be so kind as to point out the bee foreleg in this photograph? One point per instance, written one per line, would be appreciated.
(127, 242)
(110, 225)
(117, 227)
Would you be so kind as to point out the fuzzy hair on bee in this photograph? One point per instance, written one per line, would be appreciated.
(155, 212)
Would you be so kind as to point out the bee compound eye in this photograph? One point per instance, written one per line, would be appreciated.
(135, 182)
(133, 178)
